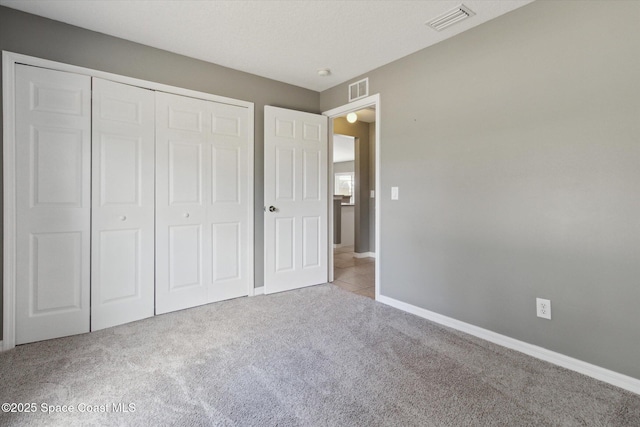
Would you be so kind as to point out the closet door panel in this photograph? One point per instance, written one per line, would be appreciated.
(120, 273)
(185, 172)
(123, 234)
(185, 256)
(53, 131)
(202, 203)
(182, 189)
(228, 212)
(120, 173)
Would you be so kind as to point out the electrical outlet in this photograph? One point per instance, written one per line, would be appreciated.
(543, 308)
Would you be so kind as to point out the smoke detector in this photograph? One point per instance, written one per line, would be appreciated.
(451, 17)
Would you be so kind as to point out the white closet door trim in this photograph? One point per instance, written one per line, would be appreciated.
(45, 63)
(9, 61)
(9, 202)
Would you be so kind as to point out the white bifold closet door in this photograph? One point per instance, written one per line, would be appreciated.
(53, 175)
(202, 202)
(122, 226)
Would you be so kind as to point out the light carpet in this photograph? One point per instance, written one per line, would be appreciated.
(318, 356)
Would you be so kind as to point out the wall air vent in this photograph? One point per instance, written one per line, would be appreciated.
(451, 17)
(359, 89)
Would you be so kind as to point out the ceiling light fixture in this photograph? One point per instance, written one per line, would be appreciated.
(352, 117)
(324, 72)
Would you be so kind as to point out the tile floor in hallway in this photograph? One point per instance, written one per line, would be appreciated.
(352, 274)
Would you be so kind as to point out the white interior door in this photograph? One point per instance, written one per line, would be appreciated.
(53, 161)
(203, 219)
(122, 226)
(295, 194)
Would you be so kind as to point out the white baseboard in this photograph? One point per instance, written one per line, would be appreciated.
(364, 254)
(257, 291)
(619, 380)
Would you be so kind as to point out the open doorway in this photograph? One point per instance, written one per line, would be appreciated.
(344, 190)
(354, 215)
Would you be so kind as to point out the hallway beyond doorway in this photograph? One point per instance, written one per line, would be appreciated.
(352, 274)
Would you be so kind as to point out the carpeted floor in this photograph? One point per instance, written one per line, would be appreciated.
(313, 357)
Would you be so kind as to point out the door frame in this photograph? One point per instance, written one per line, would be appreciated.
(9, 61)
(369, 101)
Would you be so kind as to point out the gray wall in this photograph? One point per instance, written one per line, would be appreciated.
(44, 38)
(516, 147)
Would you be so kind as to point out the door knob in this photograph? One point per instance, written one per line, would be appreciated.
(186, 214)
(123, 218)
(272, 209)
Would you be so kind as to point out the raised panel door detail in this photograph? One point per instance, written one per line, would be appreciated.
(226, 175)
(285, 128)
(311, 132)
(119, 170)
(119, 265)
(52, 203)
(310, 242)
(311, 185)
(184, 256)
(203, 204)
(185, 175)
(120, 110)
(185, 120)
(222, 125)
(285, 244)
(295, 176)
(49, 98)
(285, 174)
(57, 166)
(226, 251)
(123, 204)
(56, 260)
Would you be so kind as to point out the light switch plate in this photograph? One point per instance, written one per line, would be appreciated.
(394, 193)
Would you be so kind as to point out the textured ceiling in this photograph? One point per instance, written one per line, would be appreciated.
(282, 40)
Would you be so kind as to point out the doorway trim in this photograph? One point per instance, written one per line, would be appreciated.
(9, 61)
(369, 101)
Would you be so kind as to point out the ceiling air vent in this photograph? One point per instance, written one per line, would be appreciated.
(451, 17)
(359, 89)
